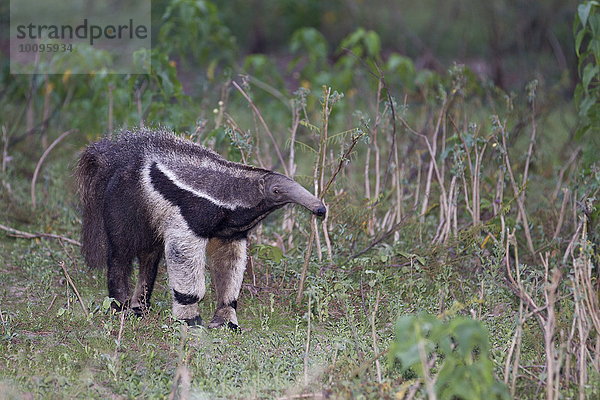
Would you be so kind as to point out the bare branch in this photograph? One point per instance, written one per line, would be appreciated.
(26, 235)
(264, 124)
(41, 160)
(72, 284)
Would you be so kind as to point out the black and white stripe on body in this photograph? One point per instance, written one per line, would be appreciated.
(148, 193)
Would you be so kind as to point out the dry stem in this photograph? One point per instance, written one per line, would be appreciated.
(518, 198)
(264, 124)
(72, 284)
(41, 160)
(26, 235)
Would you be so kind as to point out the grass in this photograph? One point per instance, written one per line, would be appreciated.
(54, 350)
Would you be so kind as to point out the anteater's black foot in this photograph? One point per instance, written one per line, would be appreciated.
(225, 317)
(219, 323)
(234, 327)
(138, 312)
(196, 321)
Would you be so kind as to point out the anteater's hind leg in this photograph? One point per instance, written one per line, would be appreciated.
(122, 221)
(185, 256)
(118, 272)
(227, 262)
(140, 302)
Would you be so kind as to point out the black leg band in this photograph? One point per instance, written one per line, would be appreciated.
(233, 304)
(185, 299)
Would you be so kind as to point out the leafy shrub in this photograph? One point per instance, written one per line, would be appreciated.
(587, 93)
(311, 50)
(458, 349)
(193, 30)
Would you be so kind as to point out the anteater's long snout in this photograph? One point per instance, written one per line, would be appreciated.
(305, 198)
(317, 207)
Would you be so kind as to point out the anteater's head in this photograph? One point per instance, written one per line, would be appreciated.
(279, 190)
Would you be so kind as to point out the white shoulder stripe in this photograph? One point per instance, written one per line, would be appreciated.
(173, 178)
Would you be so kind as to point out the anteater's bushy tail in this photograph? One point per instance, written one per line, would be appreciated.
(92, 177)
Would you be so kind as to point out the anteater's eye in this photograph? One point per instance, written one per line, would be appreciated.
(276, 190)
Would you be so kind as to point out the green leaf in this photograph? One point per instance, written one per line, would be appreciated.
(270, 253)
(585, 105)
(594, 23)
(310, 40)
(470, 335)
(373, 44)
(584, 11)
(404, 67)
(411, 332)
(588, 74)
(578, 40)
(404, 254)
(106, 303)
(353, 39)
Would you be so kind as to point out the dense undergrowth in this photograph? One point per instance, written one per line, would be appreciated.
(459, 257)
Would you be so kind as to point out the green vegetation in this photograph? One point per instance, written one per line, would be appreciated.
(459, 258)
(587, 93)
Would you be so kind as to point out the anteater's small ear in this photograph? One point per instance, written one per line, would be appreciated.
(261, 185)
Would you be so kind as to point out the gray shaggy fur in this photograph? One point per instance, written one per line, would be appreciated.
(148, 193)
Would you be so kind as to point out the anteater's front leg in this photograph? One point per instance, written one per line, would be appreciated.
(185, 256)
(227, 262)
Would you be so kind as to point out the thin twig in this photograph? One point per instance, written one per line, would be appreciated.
(111, 87)
(517, 285)
(72, 284)
(120, 335)
(302, 396)
(326, 237)
(264, 124)
(26, 235)
(383, 237)
(367, 363)
(4, 149)
(433, 167)
(138, 102)
(561, 174)
(429, 382)
(515, 345)
(307, 347)
(343, 160)
(306, 262)
(518, 197)
(271, 90)
(573, 242)
(374, 337)
(561, 216)
(530, 149)
(381, 79)
(41, 160)
(52, 302)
